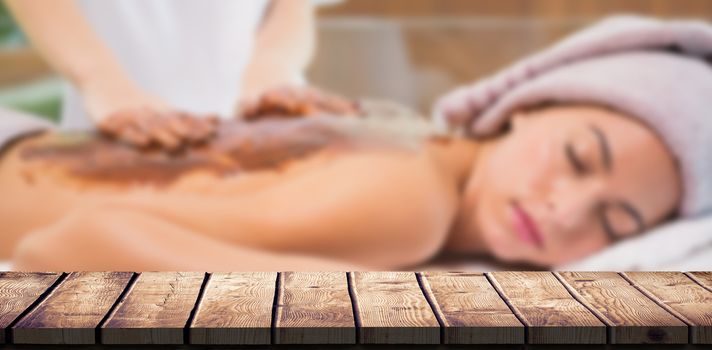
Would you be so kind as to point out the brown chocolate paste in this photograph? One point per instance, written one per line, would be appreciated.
(269, 144)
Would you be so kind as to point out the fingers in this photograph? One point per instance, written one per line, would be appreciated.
(115, 123)
(133, 136)
(179, 126)
(248, 107)
(201, 128)
(290, 101)
(284, 100)
(334, 104)
(121, 126)
(165, 129)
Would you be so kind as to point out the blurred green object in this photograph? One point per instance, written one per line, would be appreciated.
(10, 33)
(42, 97)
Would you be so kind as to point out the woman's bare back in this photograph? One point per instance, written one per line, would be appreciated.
(279, 185)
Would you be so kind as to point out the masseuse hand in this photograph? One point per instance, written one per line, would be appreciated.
(123, 111)
(167, 129)
(293, 101)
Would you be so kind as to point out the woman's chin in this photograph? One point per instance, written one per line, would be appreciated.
(502, 247)
(506, 246)
(509, 249)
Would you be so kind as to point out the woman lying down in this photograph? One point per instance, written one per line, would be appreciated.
(590, 142)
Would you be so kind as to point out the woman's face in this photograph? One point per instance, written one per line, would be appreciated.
(567, 181)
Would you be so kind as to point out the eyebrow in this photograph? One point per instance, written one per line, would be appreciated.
(605, 147)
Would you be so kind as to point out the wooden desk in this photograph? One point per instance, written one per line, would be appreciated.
(355, 308)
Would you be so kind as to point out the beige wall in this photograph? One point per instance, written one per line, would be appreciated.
(414, 50)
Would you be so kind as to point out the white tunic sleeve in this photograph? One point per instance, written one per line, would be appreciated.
(191, 53)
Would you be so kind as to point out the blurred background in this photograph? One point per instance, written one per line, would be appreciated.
(410, 51)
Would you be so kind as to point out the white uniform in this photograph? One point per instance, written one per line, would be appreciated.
(190, 53)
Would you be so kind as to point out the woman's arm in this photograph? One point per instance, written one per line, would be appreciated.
(123, 239)
(283, 48)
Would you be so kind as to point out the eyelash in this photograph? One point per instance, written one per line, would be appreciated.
(612, 238)
(578, 166)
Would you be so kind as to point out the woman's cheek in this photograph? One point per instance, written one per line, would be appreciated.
(526, 166)
(489, 223)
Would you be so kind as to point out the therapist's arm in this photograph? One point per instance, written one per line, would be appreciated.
(61, 34)
(283, 48)
(59, 31)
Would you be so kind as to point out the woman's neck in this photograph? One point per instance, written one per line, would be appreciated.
(454, 156)
(467, 159)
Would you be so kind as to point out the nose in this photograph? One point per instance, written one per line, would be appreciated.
(572, 204)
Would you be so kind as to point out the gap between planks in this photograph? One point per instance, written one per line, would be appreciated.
(661, 304)
(276, 311)
(112, 310)
(655, 323)
(196, 307)
(427, 291)
(598, 314)
(511, 307)
(693, 334)
(9, 336)
(698, 281)
(354, 305)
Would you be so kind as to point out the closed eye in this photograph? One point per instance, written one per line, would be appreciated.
(629, 210)
(574, 160)
(607, 229)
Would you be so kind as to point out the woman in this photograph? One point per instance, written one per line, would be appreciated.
(566, 179)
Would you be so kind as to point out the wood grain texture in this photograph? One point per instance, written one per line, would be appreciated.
(703, 278)
(72, 311)
(551, 314)
(314, 308)
(156, 309)
(18, 290)
(368, 307)
(471, 310)
(391, 309)
(681, 295)
(633, 318)
(236, 308)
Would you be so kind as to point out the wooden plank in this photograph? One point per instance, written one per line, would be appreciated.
(18, 291)
(314, 308)
(236, 308)
(471, 310)
(551, 314)
(703, 278)
(681, 296)
(390, 308)
(156, 309)
(72, 311)
(632, 317)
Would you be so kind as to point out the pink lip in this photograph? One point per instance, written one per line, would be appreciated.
(526, 227)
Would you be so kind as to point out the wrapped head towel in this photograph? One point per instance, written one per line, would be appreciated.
(657, 71)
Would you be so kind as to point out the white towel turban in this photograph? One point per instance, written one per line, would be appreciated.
(657, 71)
